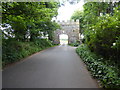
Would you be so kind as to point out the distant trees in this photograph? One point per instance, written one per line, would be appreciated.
(78, 15)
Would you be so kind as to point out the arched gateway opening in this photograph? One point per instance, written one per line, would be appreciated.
(69, 32)
(63, 39)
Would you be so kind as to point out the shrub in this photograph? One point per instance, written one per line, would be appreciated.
(101, 35)
(106, 71)
(77, 43)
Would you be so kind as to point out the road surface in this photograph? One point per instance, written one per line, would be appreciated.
(56, 67)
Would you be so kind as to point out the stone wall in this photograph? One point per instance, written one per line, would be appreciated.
(71, 28)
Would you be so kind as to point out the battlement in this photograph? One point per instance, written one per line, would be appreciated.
(67, 21)
(69, 27)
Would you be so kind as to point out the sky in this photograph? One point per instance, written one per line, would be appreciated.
(66, 11)
(63, 36)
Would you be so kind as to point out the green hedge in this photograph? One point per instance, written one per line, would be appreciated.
(77, 43)
(106, 71)
(13, 51)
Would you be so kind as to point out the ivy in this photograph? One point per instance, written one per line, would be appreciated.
(103, 70)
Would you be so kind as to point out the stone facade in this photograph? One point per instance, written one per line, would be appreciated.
(71, 28)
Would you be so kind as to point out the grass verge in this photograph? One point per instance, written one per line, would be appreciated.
(13, 51)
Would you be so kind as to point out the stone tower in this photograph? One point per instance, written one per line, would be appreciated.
(71, 28)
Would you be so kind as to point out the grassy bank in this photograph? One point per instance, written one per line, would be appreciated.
(13, 51)
(105, 71)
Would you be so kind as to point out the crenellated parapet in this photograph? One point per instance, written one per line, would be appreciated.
(69, 27)
(67, 22)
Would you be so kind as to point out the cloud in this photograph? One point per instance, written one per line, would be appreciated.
(66, 11)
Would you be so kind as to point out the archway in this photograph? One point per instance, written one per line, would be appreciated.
(63, 39)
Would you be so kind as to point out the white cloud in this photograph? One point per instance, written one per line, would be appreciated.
(65, 12)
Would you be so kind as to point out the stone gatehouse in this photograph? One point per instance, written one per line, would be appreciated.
(71, 28)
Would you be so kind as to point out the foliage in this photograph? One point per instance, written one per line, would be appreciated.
(78, 15)
(24, 24)
(106, 71)
(29, 18)
(100, 24)
(101, 35)
(77, 43)
(14, 51)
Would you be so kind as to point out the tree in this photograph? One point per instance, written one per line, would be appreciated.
(101, 28)
(78, 15)
(28, 17)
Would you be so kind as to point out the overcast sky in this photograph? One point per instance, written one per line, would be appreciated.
(66, 11)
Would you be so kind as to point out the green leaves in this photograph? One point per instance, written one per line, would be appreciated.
(14, 51)
(101, 26)
(29, 17)
(77, 15)
(103, 70)
(101, 29)
(27, 21)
